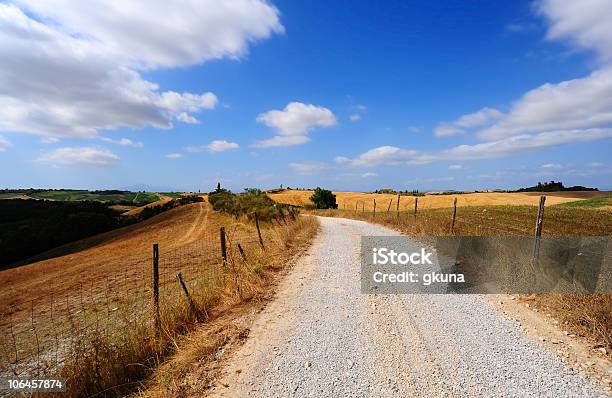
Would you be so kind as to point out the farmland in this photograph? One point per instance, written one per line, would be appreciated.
(107, 196)
(101, 286)
(351, 200)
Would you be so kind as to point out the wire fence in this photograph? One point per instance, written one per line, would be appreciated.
(38, 335)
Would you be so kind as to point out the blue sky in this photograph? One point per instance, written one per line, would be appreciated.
(350, 95)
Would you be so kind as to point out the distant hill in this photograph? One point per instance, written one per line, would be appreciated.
(552, 186)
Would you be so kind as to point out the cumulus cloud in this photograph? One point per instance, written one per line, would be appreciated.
(582, 103)
(221, 146)
(308, 167)
(85, 156)
(585, 23)
(294, 123)
(187, 118)
(572, 104)
(174, 155)
(123, 142)
(69, 72)
(552, 166)
(384, 155)
(471, 120)
(214, 146)
(391, 155)
(4, 144)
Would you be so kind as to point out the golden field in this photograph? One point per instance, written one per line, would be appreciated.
(348, 200)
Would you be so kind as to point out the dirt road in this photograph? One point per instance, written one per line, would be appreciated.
(322, 337)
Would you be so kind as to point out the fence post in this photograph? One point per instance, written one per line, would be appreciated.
(397, 208)
(389, 207)
(241, 252)
(374, 207)
(356, 202)
(363, 207)
(454, 216)
(156, 314)
(416, 205)
(192, 306)
(261, 243)
(538, 229)
(223, 245)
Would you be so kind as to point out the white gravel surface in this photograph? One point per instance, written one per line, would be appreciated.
(321, 337)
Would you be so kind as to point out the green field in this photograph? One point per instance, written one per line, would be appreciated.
(110, 196)
(601, 201)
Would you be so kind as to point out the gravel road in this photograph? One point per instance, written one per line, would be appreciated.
(321, 337)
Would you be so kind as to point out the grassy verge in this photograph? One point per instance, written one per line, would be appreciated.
(587, 315)
(599, 202)
(113, 364)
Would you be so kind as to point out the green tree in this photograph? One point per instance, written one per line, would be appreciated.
(324, 199)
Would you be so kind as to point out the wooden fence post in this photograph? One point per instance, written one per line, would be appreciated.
(156, 313)
(241, 252)
(261, 243)
(363, 207)
(397, 208)
(538, 229)
(192, 306)
(223, 245)
(356, 202)
(416, 205)
(389, 207)
(454, 216)
(374, 207)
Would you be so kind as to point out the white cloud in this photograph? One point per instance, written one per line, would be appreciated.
(4, 144)
(294, 123)
(68, 72)
(369, 174)
(585, 23)
(87, 156)
(384, 155)
(214, 146)
(471, 120)
(391, 155)
(551, 166)
(583, 103)
(355, 117)
(414, 129)
(49, 140)
(455, 167)
(523, 143)
(447, 130)
(308, 167)
(596, 164)
(162, 34)
(221, 146)
(123, 142)
(480, 118)
(174, 155)
(187, 118)
(573, 104)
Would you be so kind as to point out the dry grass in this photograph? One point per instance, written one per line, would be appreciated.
(194, 364)
(348, 200)
(87, 312)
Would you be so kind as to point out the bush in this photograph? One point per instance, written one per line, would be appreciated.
(248, 203)
(324, 199)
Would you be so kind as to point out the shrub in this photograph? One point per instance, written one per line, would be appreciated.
(248, 203)
(324, 199)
